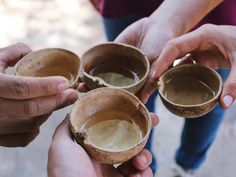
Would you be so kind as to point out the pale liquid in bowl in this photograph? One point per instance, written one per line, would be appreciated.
(55, 71)
(113, 134)
(116, 76)
(187, 90)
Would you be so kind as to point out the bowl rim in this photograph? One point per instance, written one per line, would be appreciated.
(130, 95)
(101, 81)
(49, 49)
(219, 89)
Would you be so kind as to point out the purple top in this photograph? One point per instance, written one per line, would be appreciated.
(225, 13)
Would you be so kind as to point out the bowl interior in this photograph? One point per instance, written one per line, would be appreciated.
(49, 62)
(190, 84)
(112, 119)
(116, 64)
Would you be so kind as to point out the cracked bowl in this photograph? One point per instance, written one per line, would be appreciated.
(190, 90)
(111, 124)
(115, 65)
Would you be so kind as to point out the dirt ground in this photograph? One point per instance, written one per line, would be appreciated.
(74, 25)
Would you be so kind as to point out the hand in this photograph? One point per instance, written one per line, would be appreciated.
(67, 158)
(210, 45)
(150, 37)
(25, 102)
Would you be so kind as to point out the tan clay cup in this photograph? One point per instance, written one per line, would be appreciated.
(184, 100)
(50, 62)
(114, 56)
(106, 104)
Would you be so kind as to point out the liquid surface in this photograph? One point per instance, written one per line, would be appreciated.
(115, 76)
(114, 134)
(55, 71)
(187, 91)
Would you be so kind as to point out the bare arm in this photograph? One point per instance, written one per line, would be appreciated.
(181, 15)
(173, 18)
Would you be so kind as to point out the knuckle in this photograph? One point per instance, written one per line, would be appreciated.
(207, 30)
(45, 86)
(31, 108)
(172, 42)
(59, 100)
(23, 48)
(174, 45)
(20, 89)
(207, 27)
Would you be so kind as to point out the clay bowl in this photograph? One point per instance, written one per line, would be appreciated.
(190, 90)
(50, 62)
(107, 64)
(111, 124)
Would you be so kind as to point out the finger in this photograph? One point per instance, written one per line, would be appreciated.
(16, 126)
(17, 140)
(228, 94)
(142, 160)
(82, 87)
(145, 173)
(16, 87)
(154, 119)
(38, 106)
(201, 38)
(11, 54)
(139, 162)
(126, 168)
(147, 90)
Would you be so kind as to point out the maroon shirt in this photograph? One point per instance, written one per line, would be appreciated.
(225, 13)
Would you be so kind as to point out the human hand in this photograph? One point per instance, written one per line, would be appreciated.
(25, 103)
(67, 158)
(210, 45)
(150, 37)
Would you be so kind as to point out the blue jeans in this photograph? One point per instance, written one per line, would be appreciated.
(197, 134)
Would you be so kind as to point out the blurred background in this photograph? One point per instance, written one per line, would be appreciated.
(75, 25)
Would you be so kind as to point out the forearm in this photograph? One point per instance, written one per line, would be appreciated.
(181, 15)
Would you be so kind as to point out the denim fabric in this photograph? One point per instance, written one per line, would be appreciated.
(198, 135)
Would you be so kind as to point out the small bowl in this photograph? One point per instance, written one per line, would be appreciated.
(115, 65)
(111, 124)
(50, 62)
(190, 90)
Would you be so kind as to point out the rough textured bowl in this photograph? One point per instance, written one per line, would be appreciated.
(117, 101)
(115, 55)
(206, 75)
(61, 59)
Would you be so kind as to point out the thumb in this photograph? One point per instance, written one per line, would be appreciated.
(62, 133)
(11, 54)
(229, 89)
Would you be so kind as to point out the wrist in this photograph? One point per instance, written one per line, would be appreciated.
(170, 31)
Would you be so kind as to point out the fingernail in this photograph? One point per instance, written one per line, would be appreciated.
(73, 97)
(228, 100)
(143, 159)
(63, 85)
